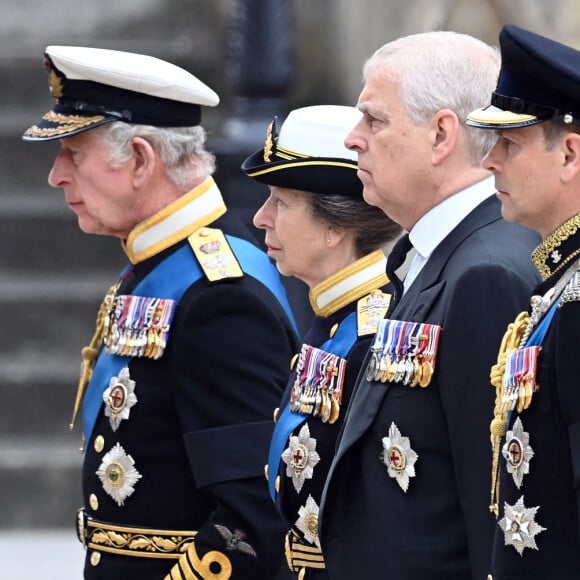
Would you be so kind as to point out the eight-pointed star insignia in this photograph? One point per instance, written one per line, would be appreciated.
(398, 457)
(519, 526)
(307, 521)
(300, 457)
(119, 397)
(517, 452)
(118, 474)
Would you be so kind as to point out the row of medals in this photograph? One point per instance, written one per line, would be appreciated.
(317, 389)
(140, 336)
(315, 401)
(407, 370)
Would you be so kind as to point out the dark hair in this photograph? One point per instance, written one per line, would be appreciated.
(372, 228)
(555, 130)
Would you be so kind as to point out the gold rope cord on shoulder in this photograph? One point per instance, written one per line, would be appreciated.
(91, 352)
(511, 342)
(191, 567)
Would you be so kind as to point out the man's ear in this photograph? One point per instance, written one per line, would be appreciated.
(144, 161)
(571, 149)
(444, 131)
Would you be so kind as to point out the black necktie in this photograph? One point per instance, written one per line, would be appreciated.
(394, 262)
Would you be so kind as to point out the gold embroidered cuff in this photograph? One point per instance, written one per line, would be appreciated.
(132, 541)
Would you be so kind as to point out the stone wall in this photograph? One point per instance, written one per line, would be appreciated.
(52, 277)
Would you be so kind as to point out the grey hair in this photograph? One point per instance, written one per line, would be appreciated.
(181, 149)
(371, 227)
(443, 70)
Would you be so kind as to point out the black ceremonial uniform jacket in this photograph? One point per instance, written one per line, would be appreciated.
(440, 527)
(348, 306)
(186, 458)
(538, 527)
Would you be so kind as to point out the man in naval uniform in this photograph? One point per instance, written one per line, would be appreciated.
(535, 432)
(406, 495)
(192, 343)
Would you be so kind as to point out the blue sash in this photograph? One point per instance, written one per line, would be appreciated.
(170, 279)
(340, 345)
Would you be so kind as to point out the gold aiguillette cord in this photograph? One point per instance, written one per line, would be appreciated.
(498, 427)
(91, 352)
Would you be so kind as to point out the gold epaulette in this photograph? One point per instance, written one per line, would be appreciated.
(215, 255)
(370, 309)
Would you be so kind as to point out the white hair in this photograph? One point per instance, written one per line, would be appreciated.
(181, 149)
(443, 70)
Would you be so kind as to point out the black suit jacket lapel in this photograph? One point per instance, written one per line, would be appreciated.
(415, 305)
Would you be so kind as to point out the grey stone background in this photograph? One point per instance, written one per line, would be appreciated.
(52, 277)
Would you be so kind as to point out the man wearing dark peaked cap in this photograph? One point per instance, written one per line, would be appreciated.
(535, 432)
(192, 342)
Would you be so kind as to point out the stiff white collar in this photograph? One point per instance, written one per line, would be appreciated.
(349, 284)
(198, 208)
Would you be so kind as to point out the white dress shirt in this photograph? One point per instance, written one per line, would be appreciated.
(438, 223)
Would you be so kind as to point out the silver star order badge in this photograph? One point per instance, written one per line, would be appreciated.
(398, 457)
(519, 526)
(300, 457)
(517, 452)
(307, 522)
(119, 397)
(118, 474)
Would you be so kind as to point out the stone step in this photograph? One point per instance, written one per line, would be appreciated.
(40, 235)
(40, 481)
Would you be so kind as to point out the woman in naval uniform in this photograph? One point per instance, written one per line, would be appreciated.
(319, 230)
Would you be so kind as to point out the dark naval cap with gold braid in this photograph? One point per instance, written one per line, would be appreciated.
(307, 152)
(94, 86)
(539, 81)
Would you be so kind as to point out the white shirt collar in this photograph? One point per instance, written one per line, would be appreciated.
(438, 222)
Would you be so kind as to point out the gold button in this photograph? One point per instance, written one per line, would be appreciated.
(333, 330)
(95, 558)
(94, 502)
(276, 413)
(278, 484)
(293, 361)
(266, 471)
(99, 443)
